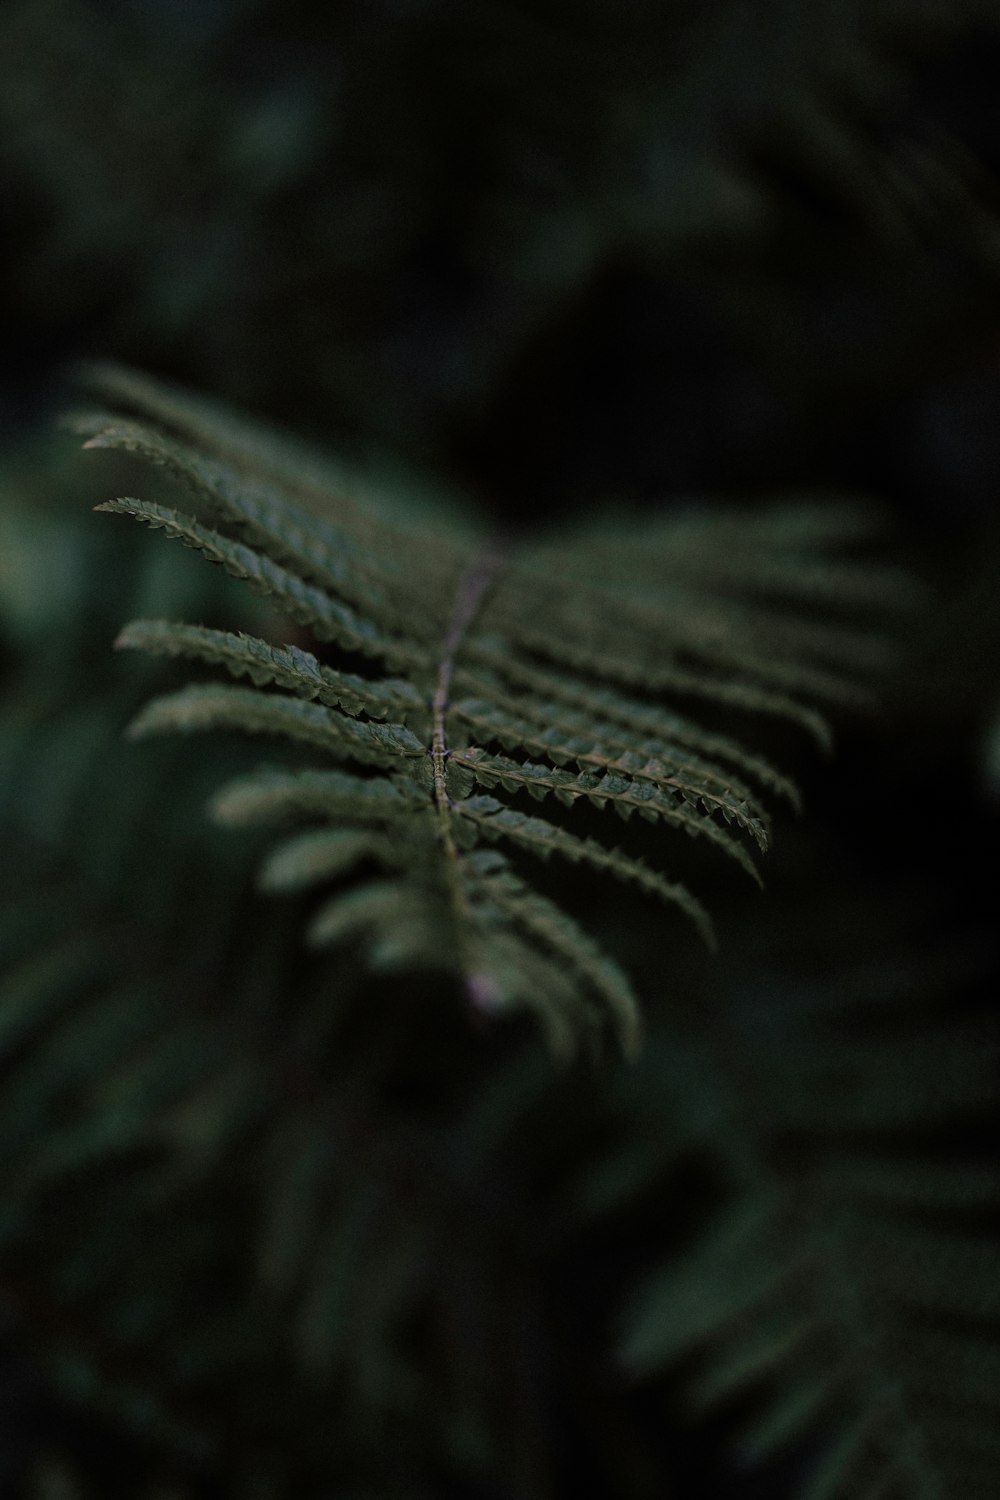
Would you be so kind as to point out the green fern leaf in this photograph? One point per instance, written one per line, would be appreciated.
(845, 1299)
(625, 794)
(325, 616)
(566, 741)
(321, 854)
(563, 651)
(646, 728)
(494, 884)
(221, 706)
(288, 667)
(275, 796)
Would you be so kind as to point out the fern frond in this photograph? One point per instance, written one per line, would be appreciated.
(554, 650)
(273, 796)
(321, 854)
(328, 619)
(287, 667)
(495, 885)
(545, 839)
(202, 1198)
(222, 706)
(625, 794)
(637, 725)
(709, 555)
(345, 558)
(627, 633)
(569, 740)
(845, 1298)
(380, 907)
(654, 676)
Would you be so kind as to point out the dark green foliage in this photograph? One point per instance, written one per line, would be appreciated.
(275, 1223)
(845, 1294)
(563, 653)
(221, 1186)
(270, 1220)
(159, 1089)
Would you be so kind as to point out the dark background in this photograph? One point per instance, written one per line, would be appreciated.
(549, 255)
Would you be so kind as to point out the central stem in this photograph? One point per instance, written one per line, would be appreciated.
(477, 578)
(475, 582)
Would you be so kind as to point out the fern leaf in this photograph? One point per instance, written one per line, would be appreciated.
(847, 1295)
(325, 616)
(377, 905)
(543, 921)
(628, 644)
(299, 480)
(544, 652)
(320, 854)
(545, 839)
(680, 1311)
(569, 739)
(520, 974)
(325, 554)
(660, 678)
(637, 724)
(796, 560)
(626, 794)
(274, 796)
(221, 706)
(287, 667)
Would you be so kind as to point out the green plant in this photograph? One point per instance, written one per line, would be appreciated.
(551, 669)
(286, 1219)
(274, 1171)
(840, 1299)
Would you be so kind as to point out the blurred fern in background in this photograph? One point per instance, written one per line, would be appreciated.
(697, 309)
